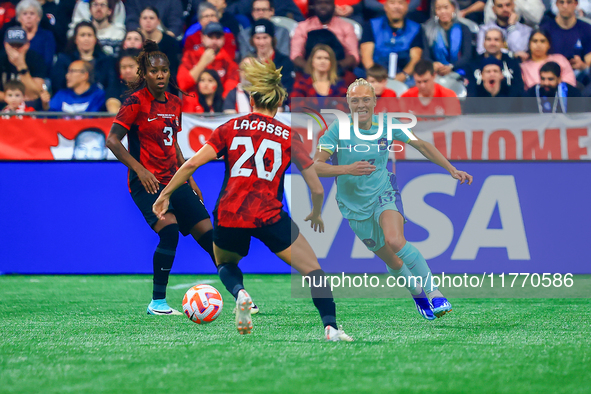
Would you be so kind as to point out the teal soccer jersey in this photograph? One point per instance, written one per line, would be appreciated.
(357, 195)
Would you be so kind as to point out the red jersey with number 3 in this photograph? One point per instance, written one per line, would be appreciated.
(258, 150)
(153, 126)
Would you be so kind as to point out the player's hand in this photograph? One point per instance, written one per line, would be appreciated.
(160, 207)
(208, 56)
(316, 222)
(149, 181)
(361, 168)
(195, 188)
(461, 176)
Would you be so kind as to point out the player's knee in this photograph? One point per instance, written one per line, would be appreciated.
(169, 237)
(395, 242)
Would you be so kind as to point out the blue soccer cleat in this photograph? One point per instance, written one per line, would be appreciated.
(160, 308)
(424, 306)
(440, 306)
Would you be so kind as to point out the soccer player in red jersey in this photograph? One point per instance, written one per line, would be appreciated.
(258, 150)
(151, 119)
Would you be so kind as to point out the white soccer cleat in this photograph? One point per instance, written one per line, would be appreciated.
(161, 308)
(333, 335)
(253, 311)
(243, 312)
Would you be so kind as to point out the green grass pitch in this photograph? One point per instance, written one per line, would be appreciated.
(91, 334)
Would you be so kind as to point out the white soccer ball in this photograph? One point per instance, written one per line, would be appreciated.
(202, 304)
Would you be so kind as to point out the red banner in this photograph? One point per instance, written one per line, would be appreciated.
(488, 137)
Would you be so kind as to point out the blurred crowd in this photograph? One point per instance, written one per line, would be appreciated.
(77, 56)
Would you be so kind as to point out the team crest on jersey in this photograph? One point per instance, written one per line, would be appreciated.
(370, 243)
(221, 73)
(383, 143)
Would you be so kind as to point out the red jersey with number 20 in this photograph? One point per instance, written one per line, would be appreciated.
(153, 126)
(258, 150)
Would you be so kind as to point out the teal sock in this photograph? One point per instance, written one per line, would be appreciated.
(416, 263)
(411, 284)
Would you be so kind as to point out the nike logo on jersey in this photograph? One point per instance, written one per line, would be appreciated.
(149, 120)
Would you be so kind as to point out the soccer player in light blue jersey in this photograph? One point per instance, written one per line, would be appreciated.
(368, 196)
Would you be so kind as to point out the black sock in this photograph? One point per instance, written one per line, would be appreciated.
(322, 297)
(231, 277)
(163, 259)
(206, 242)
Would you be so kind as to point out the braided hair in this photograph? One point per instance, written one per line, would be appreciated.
(150, 52)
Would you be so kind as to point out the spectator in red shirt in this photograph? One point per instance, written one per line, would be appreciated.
(14, 95)
(210, 55)
(386, 101)
(428, 97)
(377, 76)
(321, 79)
(206, 14)
(209, 94)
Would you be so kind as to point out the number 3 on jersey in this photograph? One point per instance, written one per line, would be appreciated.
(168, 137)
(262, 173)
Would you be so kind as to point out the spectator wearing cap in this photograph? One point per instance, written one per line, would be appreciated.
(393, 41)
(493, 82)
(81, 94)
(171, 14)
(264, 9)
(210, 55)
(29, 14)
(507, 20)
(264, 41)
(84, 45)
(18, 62)
(207, 13)
(315, 29)
(494, 41)
(551, 93)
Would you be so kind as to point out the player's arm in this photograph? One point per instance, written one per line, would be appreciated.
(205, 154)
(180, 159)
(431, 153)
(324, 169)
(317, 191)
(147, 179)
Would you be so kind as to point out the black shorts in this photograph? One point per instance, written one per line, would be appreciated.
(277, 237)
(184, 203)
